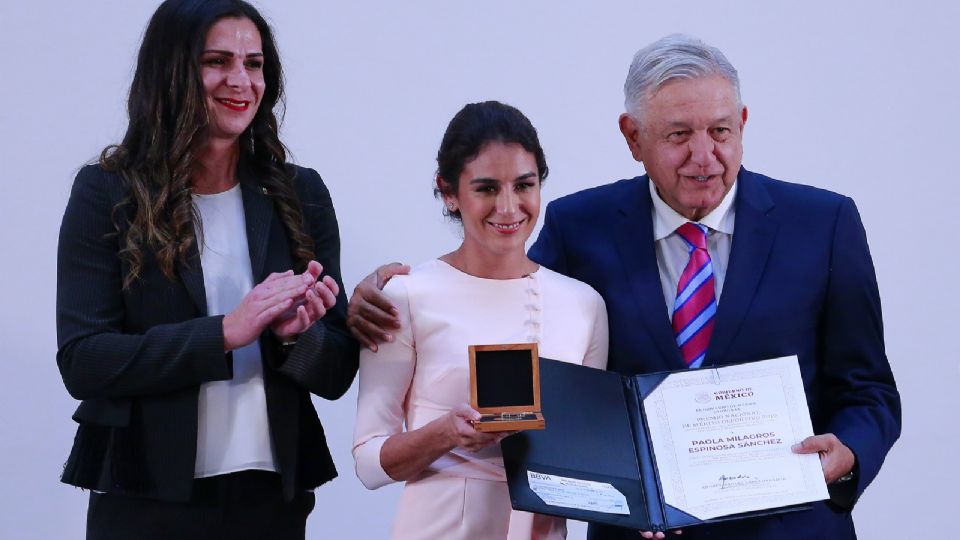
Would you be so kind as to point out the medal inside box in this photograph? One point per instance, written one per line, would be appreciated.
(505, 387)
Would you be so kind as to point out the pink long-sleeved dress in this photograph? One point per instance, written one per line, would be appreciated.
(424, 373)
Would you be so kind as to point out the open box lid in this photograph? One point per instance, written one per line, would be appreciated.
(505, 378)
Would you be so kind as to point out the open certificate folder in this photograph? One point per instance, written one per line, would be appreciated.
(666, 450)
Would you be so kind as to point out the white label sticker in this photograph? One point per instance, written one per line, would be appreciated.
(575, 493)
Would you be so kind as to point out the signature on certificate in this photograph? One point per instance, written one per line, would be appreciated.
(724, 478)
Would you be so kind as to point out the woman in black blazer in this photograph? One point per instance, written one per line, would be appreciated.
(186, 361)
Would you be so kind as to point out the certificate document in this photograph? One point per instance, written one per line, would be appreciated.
(722, 439)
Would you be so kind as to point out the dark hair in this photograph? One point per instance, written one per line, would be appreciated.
(167, 128)
(475, 126)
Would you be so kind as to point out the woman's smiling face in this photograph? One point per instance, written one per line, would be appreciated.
(498, 197)
(231, 66)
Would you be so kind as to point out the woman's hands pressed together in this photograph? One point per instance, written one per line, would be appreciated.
(319, 297)
(285, 302)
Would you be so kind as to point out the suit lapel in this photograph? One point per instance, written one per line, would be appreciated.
(638, 254)
(753, 238)
(258, 212)
(192, 276)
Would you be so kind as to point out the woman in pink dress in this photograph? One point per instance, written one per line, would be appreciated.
(413, 422)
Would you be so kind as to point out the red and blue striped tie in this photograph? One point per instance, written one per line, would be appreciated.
(696, 305)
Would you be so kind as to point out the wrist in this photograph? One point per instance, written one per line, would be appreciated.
(846, 477)
(286, 343)
(850, 475)
(284, 337)
(445, 437)
(229, 340)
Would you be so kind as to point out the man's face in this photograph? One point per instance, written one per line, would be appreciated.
(690, 141)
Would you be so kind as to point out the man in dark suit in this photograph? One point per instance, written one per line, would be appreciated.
(702, 262)
(789, 264)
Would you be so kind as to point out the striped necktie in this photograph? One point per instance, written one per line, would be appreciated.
(696, 305)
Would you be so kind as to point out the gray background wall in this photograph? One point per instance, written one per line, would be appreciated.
(859, 97)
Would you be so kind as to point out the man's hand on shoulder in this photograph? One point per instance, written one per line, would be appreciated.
(836, 458)
(369, 313)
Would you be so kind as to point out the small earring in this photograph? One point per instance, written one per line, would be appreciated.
(451, 207)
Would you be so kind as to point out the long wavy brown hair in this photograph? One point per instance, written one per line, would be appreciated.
(168, 128)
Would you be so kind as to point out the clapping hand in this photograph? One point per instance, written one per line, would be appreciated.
(320, 296)
(287, 303)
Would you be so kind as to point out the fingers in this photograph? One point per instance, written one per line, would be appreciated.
(475, 440)
(463, 416)
(466, 412)
(366, 330)
(304, 319)
(368, 323)
(387, 271)
(315, 307)
(836, 458)
(379, 316)
(368, 291)
(279, 301)
(837, 462)
(368, 334)
(291, 290)
(315, 269)
(280, 286)
(267, 301)
(308, 312)
(288, 281)
(372, 306)
(466, 435)
(287, 328)
(275, 275)
(812, 444)
(332, 285)
(327, 291)
(288, 302)
(283, 284)
(375, 303)
(369, 313)
(363, 339)
(266, 316)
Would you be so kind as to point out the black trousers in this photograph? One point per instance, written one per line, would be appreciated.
(242, 505)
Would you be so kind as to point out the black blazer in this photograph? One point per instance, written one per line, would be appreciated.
(137, 357)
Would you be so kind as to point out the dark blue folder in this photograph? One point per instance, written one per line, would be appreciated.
(596, 431)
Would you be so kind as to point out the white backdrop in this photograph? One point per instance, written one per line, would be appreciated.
(858, 97)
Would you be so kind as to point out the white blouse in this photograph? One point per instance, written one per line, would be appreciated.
(233, 432)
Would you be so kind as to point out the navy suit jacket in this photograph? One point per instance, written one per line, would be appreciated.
(800, 281)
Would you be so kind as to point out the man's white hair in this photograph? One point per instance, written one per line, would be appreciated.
(676, 56)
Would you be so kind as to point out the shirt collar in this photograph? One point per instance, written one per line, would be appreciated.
(666, 220)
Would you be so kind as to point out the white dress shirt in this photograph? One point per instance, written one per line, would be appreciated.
(672, 251)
